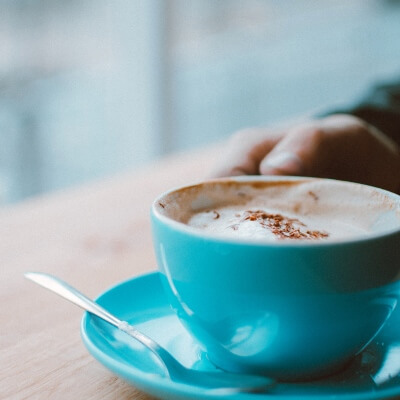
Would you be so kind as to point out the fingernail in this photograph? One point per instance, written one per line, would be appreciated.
(285, 162)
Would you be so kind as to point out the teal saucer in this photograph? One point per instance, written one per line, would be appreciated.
(373, 374)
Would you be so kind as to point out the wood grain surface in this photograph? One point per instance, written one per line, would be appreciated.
(93, 237)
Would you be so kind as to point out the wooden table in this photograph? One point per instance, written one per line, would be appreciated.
(93, 237)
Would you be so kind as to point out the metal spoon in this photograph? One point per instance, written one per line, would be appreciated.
(221, 382)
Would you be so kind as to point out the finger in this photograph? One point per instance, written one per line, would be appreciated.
(296, 154)
(245, 151)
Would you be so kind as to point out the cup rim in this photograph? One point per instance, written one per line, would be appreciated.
(184, 228)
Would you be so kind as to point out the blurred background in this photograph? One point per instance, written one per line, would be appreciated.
(89, 88)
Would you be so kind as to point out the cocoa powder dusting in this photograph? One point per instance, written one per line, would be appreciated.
(313, 195)
(283, 227)
(216, 214)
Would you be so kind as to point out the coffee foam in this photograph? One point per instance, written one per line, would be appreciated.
(325, 209)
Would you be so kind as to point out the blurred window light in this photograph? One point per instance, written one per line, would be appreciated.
(80, 90)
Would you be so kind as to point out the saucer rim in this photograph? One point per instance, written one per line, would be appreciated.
(156, 385)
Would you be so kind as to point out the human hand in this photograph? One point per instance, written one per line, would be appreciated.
(339, 146)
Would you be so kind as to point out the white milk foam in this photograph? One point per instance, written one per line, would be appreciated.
(261, 222)
(315, 209)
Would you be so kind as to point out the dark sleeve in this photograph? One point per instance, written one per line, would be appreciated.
(380, 108)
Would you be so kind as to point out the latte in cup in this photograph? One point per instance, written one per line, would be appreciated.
(317, 210)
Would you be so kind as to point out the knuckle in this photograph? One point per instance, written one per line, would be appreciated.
(351, 123)
(310, 132)
(359, 127)
(243, 136)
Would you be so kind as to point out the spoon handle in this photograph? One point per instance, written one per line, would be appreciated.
(68, 292)
(73, 295)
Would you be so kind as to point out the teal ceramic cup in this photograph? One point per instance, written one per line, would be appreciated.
(290, 309)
